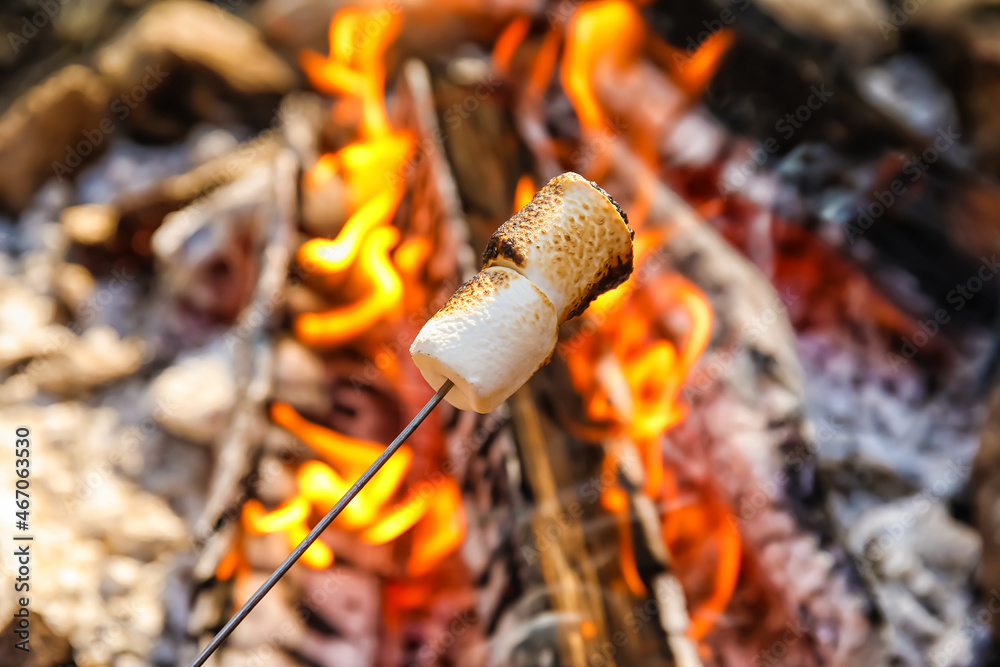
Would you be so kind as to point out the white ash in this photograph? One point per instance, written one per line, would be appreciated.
(129, 168)
(115, 496)
(104, 543)
(897, 452)
(906, 89)
(197, 395)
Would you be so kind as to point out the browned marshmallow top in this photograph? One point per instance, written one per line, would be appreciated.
(572, 241)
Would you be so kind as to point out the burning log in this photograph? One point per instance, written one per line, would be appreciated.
(570, 577)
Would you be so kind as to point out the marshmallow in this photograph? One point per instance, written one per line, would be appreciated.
(546, 264)
(489, 338)
(572, 241)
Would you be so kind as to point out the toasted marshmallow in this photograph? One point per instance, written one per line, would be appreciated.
(572, 241)
(489, 338)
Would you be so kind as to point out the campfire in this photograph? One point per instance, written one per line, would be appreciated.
(225, 224)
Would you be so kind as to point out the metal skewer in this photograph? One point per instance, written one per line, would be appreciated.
(248, 606)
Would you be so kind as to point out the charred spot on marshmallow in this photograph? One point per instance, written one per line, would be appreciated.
(503, 248)
(572, 240)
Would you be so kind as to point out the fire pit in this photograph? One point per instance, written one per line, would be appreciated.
(223, 225)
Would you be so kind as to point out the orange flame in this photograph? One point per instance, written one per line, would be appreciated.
(441, 532)
(436, 516)
(358, 41)
(230, 564)
(694, 73)
(631, 381)
(524, 192)
(544, 64)
(507, 43)
(605, 39)
(372, 170)
(684, 529)
(630, 377)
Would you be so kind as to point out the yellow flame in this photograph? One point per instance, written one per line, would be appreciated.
(606, 32)
(383, 300)
(290, 519)
(324, 486)
(358, 40)
(318, 556)
(373, 171)
(257, 520)
(397, 520)
(436, 516)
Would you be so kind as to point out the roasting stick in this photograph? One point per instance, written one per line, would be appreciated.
(321, 526)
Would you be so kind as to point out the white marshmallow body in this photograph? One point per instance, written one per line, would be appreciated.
(489, 338)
